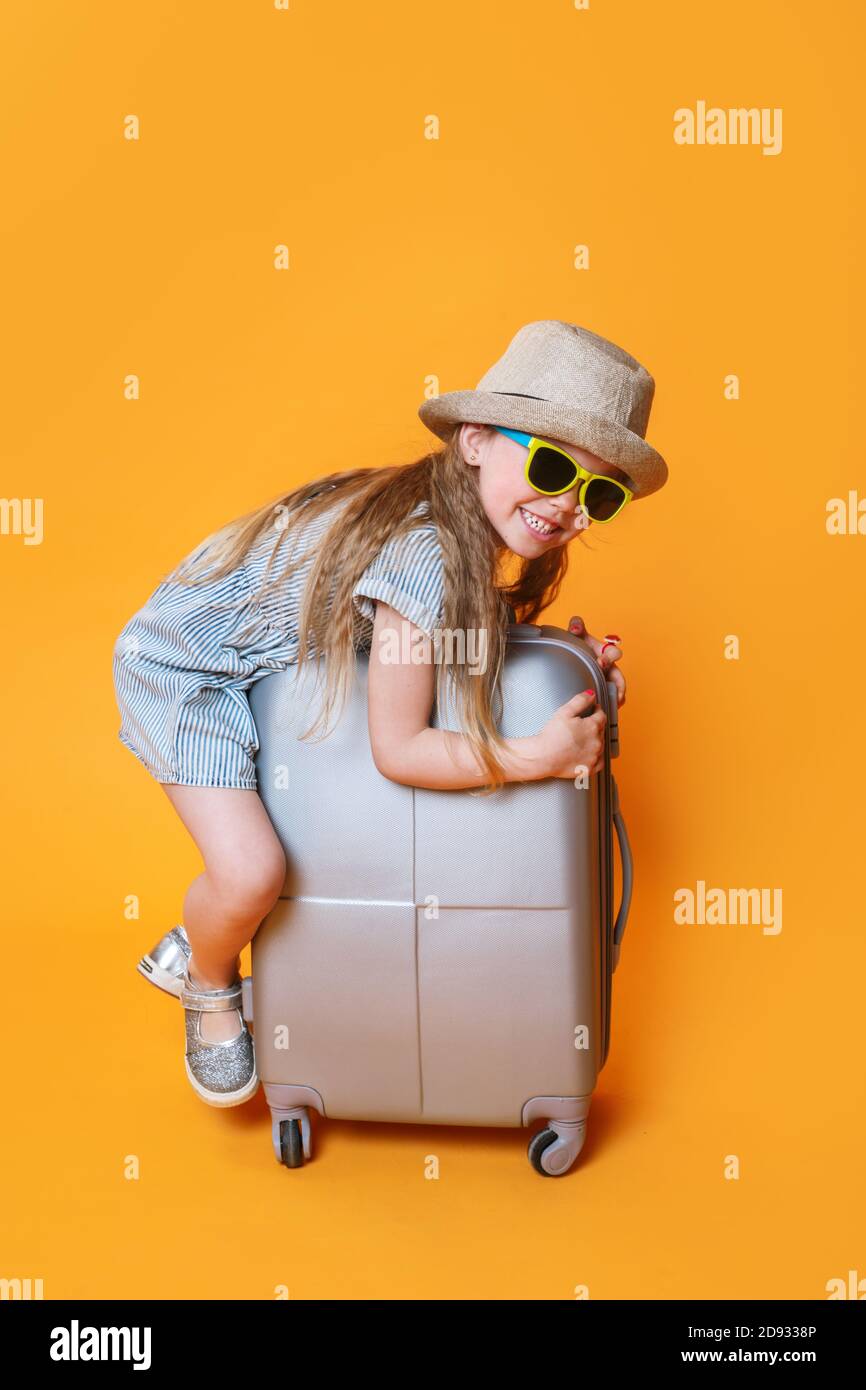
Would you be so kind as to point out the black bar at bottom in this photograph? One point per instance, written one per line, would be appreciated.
(161, 1335)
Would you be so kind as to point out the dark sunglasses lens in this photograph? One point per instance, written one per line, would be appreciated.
(603, 499)
(552, 471)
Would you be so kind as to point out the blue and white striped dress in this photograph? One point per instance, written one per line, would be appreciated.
(183, 662)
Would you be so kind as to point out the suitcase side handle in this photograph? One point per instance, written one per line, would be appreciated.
(627, 873)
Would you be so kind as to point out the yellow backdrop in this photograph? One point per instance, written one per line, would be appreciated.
(735, 275)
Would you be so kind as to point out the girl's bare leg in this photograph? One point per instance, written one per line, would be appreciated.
(244, 871)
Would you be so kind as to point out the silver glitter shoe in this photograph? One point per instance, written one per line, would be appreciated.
(223, 1073)
(165, 963)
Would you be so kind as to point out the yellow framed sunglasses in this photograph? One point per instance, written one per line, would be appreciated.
(550, 470)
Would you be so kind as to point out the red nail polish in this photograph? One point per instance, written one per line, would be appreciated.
(612, 637)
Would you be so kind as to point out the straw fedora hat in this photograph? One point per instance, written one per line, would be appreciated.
(560, 381)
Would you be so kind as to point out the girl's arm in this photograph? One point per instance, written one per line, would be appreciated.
(400, 698)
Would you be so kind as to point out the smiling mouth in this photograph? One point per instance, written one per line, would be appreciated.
(537, 526)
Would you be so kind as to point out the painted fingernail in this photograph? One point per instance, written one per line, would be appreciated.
(612, 637)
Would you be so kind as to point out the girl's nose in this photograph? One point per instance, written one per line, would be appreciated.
(567, 501)
(567, 504)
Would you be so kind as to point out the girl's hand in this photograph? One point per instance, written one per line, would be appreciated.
(569, 740)
(606, 653)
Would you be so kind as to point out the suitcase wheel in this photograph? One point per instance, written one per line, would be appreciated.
(291, 1146)
(552, 1154)
(291, 1135)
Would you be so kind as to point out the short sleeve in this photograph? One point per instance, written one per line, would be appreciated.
(408, 574)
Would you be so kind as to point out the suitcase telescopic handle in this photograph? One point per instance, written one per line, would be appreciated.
(627, 873)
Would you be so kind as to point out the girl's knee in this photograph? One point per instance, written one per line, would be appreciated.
(252, 883)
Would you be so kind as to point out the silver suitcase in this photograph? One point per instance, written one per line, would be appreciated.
(437, 957)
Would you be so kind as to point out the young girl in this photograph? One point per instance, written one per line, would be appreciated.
(550, 442)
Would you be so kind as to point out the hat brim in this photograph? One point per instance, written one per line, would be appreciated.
(608, 440)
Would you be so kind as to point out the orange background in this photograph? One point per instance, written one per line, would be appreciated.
(411, 257)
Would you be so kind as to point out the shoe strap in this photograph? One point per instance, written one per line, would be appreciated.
(211, 1000)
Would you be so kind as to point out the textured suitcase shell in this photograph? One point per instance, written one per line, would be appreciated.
(436, 956)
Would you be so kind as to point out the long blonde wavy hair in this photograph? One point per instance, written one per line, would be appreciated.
(378, 506)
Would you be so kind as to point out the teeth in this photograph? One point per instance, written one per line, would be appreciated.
(538, 525)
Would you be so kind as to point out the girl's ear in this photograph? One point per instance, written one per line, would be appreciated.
(472, 437)
(463, 440)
